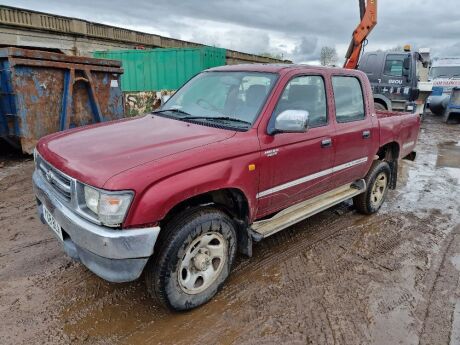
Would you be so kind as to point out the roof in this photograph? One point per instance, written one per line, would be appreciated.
(268, 68)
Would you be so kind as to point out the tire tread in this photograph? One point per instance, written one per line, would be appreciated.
(155, 275)
(361, 201)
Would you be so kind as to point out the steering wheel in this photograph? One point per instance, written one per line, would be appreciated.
(207, 104)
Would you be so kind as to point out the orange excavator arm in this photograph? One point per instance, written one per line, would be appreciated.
(368, 22)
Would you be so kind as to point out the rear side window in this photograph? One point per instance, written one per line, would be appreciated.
(305, 93)
(394, 65)
(348, 96)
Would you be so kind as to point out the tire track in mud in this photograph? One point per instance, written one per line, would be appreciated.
(386, 245)
(324, 285)
(243, 288)
(440, 298)
(18, 249)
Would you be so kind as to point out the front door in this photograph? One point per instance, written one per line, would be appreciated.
(296, 165)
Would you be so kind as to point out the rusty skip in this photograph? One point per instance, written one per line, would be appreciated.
(43, 92)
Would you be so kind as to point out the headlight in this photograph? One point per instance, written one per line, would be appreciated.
(110, 208)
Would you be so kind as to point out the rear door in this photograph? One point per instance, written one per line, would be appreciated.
(296, 165)
(355, 134)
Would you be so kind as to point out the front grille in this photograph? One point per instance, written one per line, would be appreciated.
(61, 183)
(455, 97)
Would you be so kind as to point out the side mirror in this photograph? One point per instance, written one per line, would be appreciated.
(406, 67)
(406, 63)
(414, 94)
(292, 121)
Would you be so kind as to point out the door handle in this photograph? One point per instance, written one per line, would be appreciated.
(326, 143)
(366, 134)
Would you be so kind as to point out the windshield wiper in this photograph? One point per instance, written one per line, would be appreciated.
(173, 110)
(217, 118)
(189, 116)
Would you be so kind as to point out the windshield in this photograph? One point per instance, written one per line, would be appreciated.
(231, 99)
(445, 72)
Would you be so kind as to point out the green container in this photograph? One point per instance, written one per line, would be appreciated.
(162, 69)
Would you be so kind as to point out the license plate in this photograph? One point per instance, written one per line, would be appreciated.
(52, 222)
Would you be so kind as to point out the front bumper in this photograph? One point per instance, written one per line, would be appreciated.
(114, 255)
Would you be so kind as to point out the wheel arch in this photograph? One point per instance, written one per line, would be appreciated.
(390, 153)
(232, 201)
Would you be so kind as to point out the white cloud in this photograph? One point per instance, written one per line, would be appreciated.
(297, 29)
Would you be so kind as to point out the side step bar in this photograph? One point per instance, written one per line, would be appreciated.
(296, 213)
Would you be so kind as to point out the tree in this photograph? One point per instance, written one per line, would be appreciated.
(328, 56)
(396, 49)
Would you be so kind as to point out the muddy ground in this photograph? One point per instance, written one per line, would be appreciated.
(337, 278)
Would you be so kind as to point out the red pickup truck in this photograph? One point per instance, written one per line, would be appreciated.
(236, 155)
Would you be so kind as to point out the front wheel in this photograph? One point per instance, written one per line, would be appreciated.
(377, 181)
(379, 106)
(195, 258)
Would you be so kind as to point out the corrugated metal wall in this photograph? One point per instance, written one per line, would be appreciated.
(163, 69)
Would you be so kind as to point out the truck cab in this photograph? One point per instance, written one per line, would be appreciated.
(394, 77)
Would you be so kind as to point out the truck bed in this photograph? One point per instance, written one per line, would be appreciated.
(385, 113)
(399, 127)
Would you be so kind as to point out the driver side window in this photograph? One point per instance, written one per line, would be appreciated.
(305, 93)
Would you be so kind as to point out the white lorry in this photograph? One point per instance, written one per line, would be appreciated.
(445, 96)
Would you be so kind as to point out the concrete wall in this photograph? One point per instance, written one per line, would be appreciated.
(73, 36)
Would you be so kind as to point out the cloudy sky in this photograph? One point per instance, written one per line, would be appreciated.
(297, 29)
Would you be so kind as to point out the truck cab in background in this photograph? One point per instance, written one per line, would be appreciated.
(395, 77)
(445, 97)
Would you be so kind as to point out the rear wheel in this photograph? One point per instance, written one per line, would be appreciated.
(195, 258)
(377, 180)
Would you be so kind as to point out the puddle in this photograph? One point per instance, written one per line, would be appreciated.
(448, 155)
(449, 158)
(456, 261)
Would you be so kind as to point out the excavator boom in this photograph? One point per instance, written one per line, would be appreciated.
(368, 22)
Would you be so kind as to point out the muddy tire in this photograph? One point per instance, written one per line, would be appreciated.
(379, 106)
(377, 181)
(197, 250)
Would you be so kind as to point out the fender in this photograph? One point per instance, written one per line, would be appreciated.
(402, 130)
(234, 173)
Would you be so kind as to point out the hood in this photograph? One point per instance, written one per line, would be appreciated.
(94, 154)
